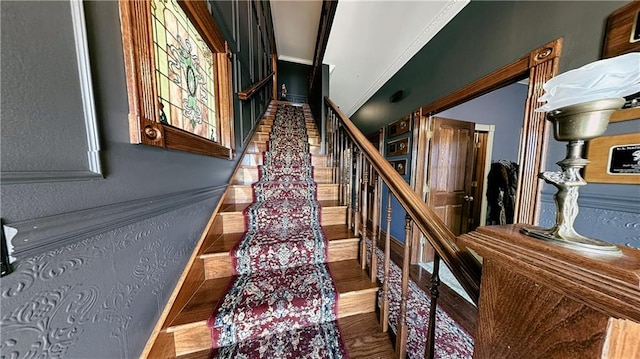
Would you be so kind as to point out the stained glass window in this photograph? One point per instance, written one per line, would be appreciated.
(184, 72)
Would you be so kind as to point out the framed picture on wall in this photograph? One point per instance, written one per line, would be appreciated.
(400, 166)
(399, 147)
(614, 159)
(623, 31)
(399, 127)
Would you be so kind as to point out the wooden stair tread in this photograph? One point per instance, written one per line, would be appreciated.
(363, 337)
(239, 207)
(316, 168)
(227, 241)
(320, 185)
(361, 334)
(348, 276)
(260, 153)
(203, 354)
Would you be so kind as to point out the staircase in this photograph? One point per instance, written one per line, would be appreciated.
(185, 333)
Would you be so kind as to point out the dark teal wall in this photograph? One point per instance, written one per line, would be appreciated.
(251, 48)
(483, 37)
(295, 76)
(487, 35)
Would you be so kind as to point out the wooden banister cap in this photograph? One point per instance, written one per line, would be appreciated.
(608, 283)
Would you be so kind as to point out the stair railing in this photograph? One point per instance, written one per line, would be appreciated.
(361, 163)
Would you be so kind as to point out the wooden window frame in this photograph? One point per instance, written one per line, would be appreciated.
(140, 69)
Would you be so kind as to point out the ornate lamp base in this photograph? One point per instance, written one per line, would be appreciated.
(575, 124)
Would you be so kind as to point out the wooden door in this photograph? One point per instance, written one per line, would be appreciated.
(450, 172)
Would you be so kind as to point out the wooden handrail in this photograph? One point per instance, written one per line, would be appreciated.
(251, 90)
(464, 266)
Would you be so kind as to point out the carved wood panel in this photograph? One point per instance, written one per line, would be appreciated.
(521, 318)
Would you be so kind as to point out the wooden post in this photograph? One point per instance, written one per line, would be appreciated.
(401, 337)
(429, 351)
(384, 311)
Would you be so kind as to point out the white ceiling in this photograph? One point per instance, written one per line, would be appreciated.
(295, 24)
(369, 41)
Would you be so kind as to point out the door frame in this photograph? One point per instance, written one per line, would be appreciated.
(539, 65)
(490, 129)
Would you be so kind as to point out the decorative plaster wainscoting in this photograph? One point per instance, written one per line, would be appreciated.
(612, 219)
(99, 297)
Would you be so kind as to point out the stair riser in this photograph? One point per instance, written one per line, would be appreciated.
(192, 340)
(244, 193)
(233, 222)
(254, 159)
(257, 146)
(261, 136)
(220, 266)
(267, 125)
(359, 302)
(198, 337)
(248, 176)
(261, 146)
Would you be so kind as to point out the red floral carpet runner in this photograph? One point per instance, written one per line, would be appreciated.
(283, 303)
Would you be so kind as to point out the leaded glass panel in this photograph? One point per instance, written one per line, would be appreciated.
(185, 72)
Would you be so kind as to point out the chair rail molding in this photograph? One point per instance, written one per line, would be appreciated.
(37, 236)
(599, 201)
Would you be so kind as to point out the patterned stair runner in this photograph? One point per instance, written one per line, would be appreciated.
(283, 302)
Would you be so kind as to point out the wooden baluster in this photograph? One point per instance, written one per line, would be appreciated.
(349, 185)
(401, 337)
(384, 311)
(346, 169)
(375, 225)
(327, 147)
(332, 140)
(335, 143)
(429, 351)
(343, 169)
(356, 214)
(329, 124)
(364, 210)
(340, 169)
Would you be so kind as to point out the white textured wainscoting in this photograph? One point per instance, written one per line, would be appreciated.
(613, 220)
